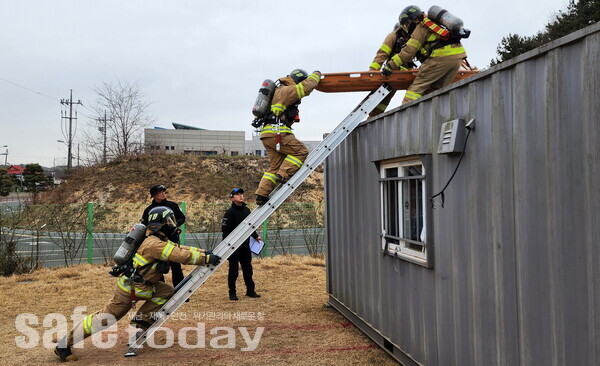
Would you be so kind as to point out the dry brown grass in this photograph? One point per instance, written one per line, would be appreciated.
(299, 330)
(189, 178)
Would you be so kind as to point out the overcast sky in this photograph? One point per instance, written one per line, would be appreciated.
(201, 63)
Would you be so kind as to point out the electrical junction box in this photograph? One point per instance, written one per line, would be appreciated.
(452, 137)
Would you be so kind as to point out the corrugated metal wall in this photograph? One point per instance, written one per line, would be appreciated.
(516, 274)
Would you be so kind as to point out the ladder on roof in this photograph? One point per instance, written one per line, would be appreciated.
(200, 274)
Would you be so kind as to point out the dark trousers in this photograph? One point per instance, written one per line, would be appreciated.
(245, 259)
(176, 273)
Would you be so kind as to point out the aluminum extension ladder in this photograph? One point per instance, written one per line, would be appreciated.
(200, 274)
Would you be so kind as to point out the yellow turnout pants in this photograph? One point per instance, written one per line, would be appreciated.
(284, 162)
(435, 73)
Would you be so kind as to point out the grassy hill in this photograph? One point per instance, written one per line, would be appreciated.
(188, 178)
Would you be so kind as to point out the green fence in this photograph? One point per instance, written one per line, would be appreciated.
(52, 235)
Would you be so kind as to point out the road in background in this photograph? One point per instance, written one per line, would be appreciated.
(47, 247)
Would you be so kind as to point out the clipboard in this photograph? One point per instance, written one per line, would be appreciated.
(256, 246)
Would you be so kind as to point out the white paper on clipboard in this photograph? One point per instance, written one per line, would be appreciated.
(256, 246)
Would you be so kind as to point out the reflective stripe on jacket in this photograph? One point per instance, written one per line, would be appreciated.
(383, 53)
(289, 93)
(272, 129)
(422, 42)
(152, 250)
(391, 46)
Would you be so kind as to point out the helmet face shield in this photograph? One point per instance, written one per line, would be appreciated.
(171, 221)
(159, 217)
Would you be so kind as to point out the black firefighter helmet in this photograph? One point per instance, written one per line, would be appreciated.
(159, 217)
(298, 75)
(409, 14)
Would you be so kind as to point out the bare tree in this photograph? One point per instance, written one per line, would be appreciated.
(66, 229)
(127, 109)
(309, 225)
(11, 260)
(280, 237)
(92, 147)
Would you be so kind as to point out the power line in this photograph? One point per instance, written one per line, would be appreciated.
(26, 88)
(47, 96)
(84, 106)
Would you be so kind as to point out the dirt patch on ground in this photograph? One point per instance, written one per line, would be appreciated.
(297, 328)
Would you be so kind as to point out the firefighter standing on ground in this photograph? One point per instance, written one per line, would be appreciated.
(392, 44)
(242, 255)
(440, 57)
(155, 249)
(290, 156)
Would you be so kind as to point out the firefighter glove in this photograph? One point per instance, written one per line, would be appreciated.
(277, 109)
(387, 70)
(211, 258)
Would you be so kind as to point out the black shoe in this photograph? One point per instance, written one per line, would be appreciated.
(65, 354)
(141, 324)
(261, 200)
(280, 179)
(252, 294)
(233, 298)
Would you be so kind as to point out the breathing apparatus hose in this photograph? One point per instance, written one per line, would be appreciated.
(277, 128)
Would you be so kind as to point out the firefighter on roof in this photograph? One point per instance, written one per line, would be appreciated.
(286, 153)
(392, 44)
(439, 51)
(141, 283)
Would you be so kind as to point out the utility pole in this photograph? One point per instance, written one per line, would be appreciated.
(70, 103)
(5, 155)
(103, 130)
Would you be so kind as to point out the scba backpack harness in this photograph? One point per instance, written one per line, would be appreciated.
(124, 261)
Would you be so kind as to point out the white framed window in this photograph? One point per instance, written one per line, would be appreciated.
(403, 214)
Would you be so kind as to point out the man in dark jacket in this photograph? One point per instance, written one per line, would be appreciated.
(159, 198)
(232, 218)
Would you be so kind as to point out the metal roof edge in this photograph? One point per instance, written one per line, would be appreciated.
(536, 52)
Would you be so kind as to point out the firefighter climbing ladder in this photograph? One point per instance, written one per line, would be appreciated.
(201, 273)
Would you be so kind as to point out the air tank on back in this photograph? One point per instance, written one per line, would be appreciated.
(130, 244)
(263, 99)
(445, 18)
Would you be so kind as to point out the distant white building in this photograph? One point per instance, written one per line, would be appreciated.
(194, 141)
(256, 148)
(197, 141)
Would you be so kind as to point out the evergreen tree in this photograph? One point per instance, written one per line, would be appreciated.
(34, 177)
(6, 183)
(577, 15)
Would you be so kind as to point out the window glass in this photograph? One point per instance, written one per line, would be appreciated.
(403, 215)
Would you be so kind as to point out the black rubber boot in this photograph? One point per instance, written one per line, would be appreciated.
(142, 324)
(65, 354)
(261, 200)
